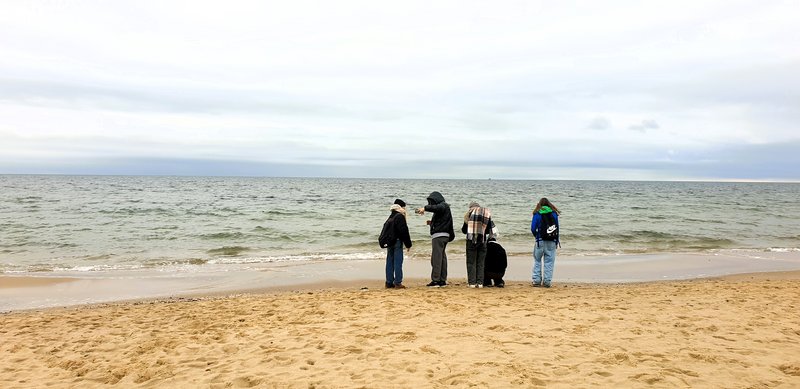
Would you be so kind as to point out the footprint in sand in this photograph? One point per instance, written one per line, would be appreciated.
(246, 382)
(790, 369)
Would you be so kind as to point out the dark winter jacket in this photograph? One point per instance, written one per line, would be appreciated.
(400, 228)
(496, 260)
(442, 220)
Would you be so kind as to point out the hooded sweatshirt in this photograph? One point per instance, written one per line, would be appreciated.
(442, 220)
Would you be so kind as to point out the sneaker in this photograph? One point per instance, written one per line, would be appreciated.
(442, 284)
(546, 285)
(399, 286)
(434, 284)
(500, 285)
(480, 286)
(472, 286)
(389, 286)
(535, 285)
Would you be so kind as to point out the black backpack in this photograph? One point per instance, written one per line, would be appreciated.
(387, 237)
(548, 229)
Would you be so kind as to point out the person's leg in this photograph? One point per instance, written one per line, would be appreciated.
(538, 251)
(472, 256)
(437, 259)
(549, 262)
(389, 267)
(398, 262)
(444, 261)
(480, 263)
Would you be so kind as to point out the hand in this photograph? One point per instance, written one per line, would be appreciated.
(420, 211)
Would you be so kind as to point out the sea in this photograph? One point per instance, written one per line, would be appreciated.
(82, 224)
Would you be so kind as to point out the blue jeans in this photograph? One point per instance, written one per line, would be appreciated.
(394, 263)
(544, 249)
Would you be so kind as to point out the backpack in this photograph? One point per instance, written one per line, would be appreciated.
(387, 236)
(548, 229)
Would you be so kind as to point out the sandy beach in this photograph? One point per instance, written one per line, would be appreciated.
(738, 332)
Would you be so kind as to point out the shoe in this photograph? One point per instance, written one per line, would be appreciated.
(399, 286)
(433, 284)
(500, 285)
(480, 286)
(546, 285)
(471, 286)
(442, 284)
(389, 286)
(535, 285)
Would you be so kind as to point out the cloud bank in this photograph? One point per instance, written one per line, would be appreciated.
(618, 90)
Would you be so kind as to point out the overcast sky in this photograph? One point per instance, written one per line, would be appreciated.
(441, 89)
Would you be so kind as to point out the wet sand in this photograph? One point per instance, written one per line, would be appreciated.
(44, 290)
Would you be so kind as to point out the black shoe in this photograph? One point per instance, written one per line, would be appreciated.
(442, 284)
(433, 284)
(389, 286)
(535, 285)
(500, 285)
(546, 285)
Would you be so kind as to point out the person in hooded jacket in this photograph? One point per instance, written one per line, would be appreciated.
(545, 216)
(394, 253)
(441, 228)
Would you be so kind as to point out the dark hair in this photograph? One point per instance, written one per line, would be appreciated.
(544, 201)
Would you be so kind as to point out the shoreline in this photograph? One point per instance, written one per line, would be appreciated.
(724, 331)
(60, 290)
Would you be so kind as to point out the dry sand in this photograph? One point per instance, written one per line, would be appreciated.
(734, 332)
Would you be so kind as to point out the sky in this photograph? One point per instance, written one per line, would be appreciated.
(630, 90)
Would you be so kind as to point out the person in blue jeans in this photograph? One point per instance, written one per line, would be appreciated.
(394, 253)
(545, 227)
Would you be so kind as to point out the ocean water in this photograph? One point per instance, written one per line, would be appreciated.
(96, 223)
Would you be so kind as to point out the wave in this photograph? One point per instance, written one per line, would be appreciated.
(222, 235)
(137, 211)
(228, 250)
(28, 200)
(166, 262)
(358, 256)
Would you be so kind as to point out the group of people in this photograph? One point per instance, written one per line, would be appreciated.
(485, 257)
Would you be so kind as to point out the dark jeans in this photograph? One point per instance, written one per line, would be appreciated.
(394, 263)
(476, 259)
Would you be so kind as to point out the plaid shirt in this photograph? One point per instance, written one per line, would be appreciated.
(479, 220)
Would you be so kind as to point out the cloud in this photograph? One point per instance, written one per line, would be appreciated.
(644, 126)
(599, 123)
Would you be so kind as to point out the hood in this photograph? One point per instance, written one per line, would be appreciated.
(435, 198)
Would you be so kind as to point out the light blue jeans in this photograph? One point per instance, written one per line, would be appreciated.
(544, 251)
(394, 263)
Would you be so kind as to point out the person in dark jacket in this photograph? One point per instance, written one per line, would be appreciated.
(496, 263)
(479, 227)
(394, 253)
(441, 228)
